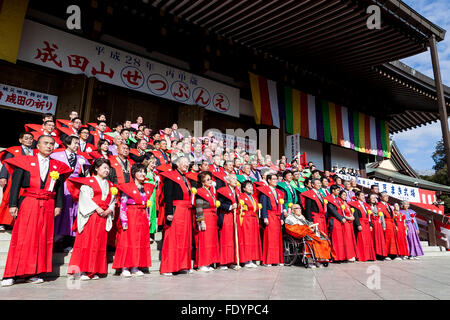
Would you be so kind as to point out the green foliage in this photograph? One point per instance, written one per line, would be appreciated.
(441, 177)
(439, 156)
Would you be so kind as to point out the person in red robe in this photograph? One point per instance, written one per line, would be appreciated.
(24, 149)
(96, 203)
(249, 237)
(351, 248)
(336, 222)
(133, 241)
(314, 206)
(400, 219)
(378, 225)
(272, 213)
(42, 180)
(363, 230)
(206, 229)
(390, 232)
(229, 199)
(177, 236)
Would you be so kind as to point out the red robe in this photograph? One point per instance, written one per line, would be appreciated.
(364, 240)
(401, 234)
(5, 217)
(158, 154)
(273, 238)
(97, 137)
(337, 233)
(351, 248)
(318, 217)
(31, 247)
(226, 233)
(390, 233)
(249, 236)
(94, 125)
(176, 250)
(133, 244)
(207, 242)
(379, 240)
(89, 250)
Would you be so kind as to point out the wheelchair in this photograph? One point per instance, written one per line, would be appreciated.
(294, 248)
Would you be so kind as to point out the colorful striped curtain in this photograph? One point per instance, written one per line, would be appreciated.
(318, 119)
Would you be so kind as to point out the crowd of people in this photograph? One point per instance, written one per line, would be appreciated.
(87, 189)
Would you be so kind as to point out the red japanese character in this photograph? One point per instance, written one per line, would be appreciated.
(29, 102)
(20, 100)
(47, 54)
(39, 104)
(163, 85)
(131, 78)
(110, 74)
(1, 95)
(11, 98)
(218, 102)
(182, 91)
(200, 98)
(49, 105)
(76, 61)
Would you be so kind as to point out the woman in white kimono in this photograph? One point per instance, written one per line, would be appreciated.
(94, 219)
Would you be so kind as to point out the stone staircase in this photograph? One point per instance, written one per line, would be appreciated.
(61, 259)
(434, 251)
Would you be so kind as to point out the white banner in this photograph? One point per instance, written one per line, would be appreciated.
(65, 52)
(398, 191)
(28, 100)
(292, 147)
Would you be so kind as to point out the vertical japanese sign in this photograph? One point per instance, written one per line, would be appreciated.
(292, 148)
(62, 51)
(28, 100)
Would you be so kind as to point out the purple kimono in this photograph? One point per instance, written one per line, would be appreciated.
(64, 221)
(412, 238)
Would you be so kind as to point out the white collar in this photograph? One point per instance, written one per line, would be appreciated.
(41, 158)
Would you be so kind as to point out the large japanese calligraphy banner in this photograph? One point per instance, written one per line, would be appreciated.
(28, 100)
(398, 191)
(69, 53)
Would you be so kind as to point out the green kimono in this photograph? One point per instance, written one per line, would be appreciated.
(323, 193)
(290, 199)
(152, 178)
(241, 178)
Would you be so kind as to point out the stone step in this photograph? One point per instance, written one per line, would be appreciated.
(60, 270)
(432, 249)
(437, 254)
(5, 235)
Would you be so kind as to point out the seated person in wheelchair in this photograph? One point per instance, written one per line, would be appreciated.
(298, 227)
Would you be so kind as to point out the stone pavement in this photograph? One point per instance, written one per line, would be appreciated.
(428, 278)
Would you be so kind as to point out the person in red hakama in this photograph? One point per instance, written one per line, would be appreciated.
(206, 229)
(24, 149)
(272, 201)
(400, 219)
(390, 232)
(351, 248)
(314, 206)
(177, 238)
(249, 237)
(96, 202)
(336, 222)
(378, 225)
(363, 230)
(229, 199)
(133, 241)
(41, 178)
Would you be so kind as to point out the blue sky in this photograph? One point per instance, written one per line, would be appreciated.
(417, 145)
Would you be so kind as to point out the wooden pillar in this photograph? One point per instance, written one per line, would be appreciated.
(431, 233)
(86, 112)
(440, 101)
